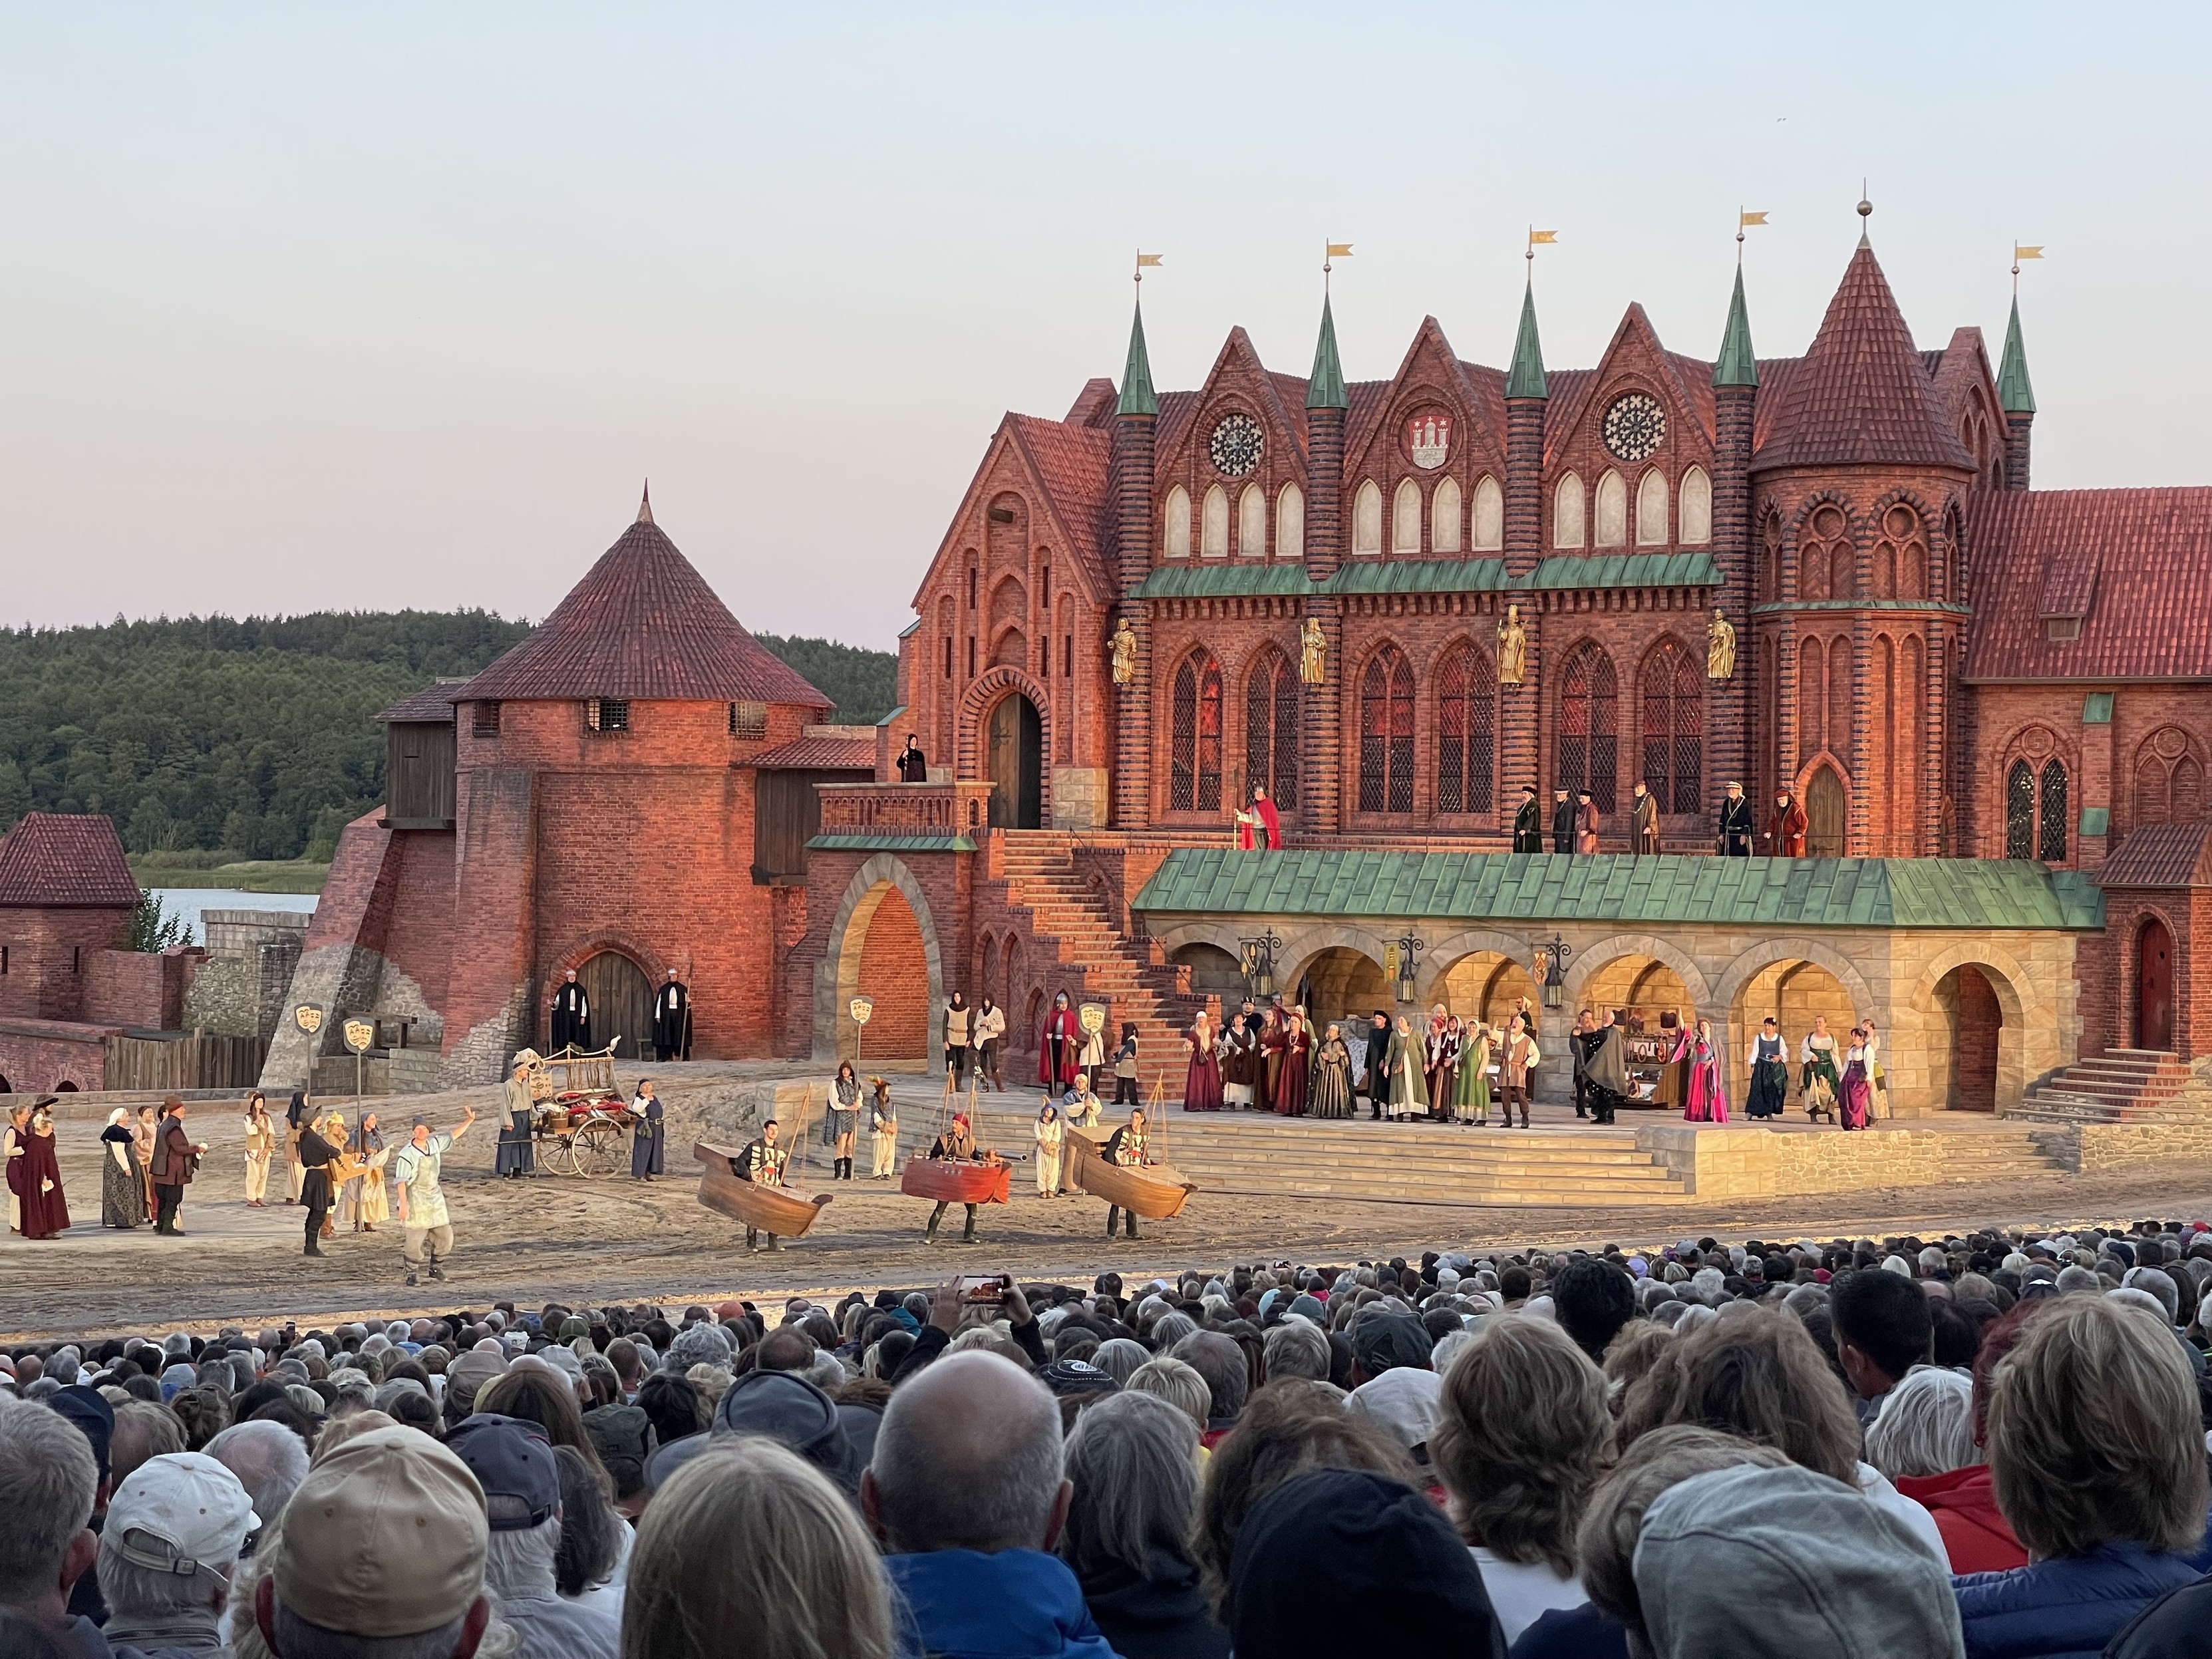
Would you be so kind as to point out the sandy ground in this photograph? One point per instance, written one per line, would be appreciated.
(587, 1240)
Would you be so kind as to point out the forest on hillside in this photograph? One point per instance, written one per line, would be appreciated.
(257, 735)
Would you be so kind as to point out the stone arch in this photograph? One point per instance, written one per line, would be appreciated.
(1437, 964)
(2023, 1055)
(653, 964)
(1736, 977)
(837, 977)
(977, 703)
(1588, 959)
(1300, 949)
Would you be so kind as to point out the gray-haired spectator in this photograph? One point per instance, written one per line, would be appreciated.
(142, 1431)
(1925, 1426)
(268, 1461)
(515, 1465)
(704, 1344)
(172, 1540)
(1220, 1361)
(1297, 1347)
(1119, 1357)
(1176, 1383)
(48, 1482)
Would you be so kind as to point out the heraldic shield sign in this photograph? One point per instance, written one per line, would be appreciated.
(1428, 439)
(309, 1016)
(861, 1009)
(360, 1035)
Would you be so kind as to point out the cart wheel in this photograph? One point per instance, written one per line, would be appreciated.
(560, 1155)
(601, 1149)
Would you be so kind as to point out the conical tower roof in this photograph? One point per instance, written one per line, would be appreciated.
(642, 624)
(1525, 377)
(1137, 396)
(2014, 391)
(1738, 364)
(1862, 395)
(1325, 386)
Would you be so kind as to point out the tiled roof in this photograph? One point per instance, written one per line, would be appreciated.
(642, 624)
(1071, 464)
(65, 859)
(1613, 887)
(818, 754)
(435, 701)
(2135, 565)
(1863, 393)
(2161, 855)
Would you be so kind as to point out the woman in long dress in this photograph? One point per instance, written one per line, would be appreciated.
(1331, 1093)
(122, 1183)
(883, 1132)
(840, 1118)
(1816, 1059)
(355, 1201)
(145, 1133)
(1059, 1046)
(260, 1149)
(1051, 1137)
(1290, 1077)
(649, 1148)
(1403, 1066)
(46, 1206)
(1852, 1098)
(1471, 1084)
(1770, 1071)
(1202, 1087)
(1706, 1097)
(11, 1150)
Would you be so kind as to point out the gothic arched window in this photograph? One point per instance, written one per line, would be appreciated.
(1367, 520)
(1466, 718)
(1406, 520)
(1271, 729)
(1174, 525)
(1194, 760)
(1486, 529)
(2051, 816)
(2020, 811)
(1651, 509)
(1824, 555)
(1587, 754)
(1445, 517)
(1386, 734)
(1697, 509)
(1674, 728)
(1567, 504)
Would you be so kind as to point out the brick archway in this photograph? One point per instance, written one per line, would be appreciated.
(837, 978)
(977, 701)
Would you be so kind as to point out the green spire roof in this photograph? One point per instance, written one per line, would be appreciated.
(1526, 378)
(1137, 396)
(2013, 392)
(1737, 364)
(1325, 386)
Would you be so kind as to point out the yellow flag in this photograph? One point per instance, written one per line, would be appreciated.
(1743, 218)
(2020, 252)
(1144, 259)
(1536, 236)
(1339, 249)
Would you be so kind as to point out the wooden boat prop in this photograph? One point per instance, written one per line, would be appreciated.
(772, 1209)
(950, 1182)
(1157, 1192)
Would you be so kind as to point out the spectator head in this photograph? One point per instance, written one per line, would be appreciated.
(1755, 1373)
(95, 1417)
(204, 1411)
(624, 1439)
(2094, 1432)
(142, 1431)
(1401, 1404)
(1381, 1341)
(48, 1482)
(173, 1532)
(674, 1407)
(269, 1459)
(1883, 1329)
(795, 1414)
(1605, 1541)
(1289, 1429)
(968, 1457)
(1133, 1461)
(752, 1538)
(1522, 1431)
(1338, 1561)
(513, 1464)
(1926, 1425)
(388, 1541)
(1297, 1347)
(786, 1348)
(1220, 1361)
(1594, 1299)
(1178, 1383)
(540, 1397)
(1119, 1357)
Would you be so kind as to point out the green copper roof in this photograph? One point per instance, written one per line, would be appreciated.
(891, 843)
(1624, 570)
(1737, 364)
(1325, 386)
(1557, 573)
(1615, 888)
(1420, 576)
(1137, 396)
(2013, 392)
(1223, 581)
(1526, 378)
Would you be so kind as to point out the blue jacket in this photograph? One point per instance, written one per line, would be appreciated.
(2066, 1609)
(1017, 1604)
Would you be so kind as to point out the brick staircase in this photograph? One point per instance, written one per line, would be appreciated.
(2121, 1085)
(1066, 914)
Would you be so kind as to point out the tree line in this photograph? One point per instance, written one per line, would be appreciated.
(257, 735)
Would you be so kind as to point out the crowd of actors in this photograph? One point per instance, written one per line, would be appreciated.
(1575, 825)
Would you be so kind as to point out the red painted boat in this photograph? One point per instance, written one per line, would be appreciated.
(948, 1181)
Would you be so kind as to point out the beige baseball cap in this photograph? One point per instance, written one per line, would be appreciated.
(386, 1537)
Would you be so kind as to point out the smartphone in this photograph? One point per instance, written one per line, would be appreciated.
(982, 1288)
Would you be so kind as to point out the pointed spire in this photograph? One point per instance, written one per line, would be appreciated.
(1737, 365)
(1525, 378)
(1866, 216)
(645, 504)
(1325, 386)
(1137, 396)
(2015, 394)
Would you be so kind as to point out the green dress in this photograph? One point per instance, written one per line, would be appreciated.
(1409, 1089)
(1471, 1088)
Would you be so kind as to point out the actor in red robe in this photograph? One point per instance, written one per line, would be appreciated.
(45, 1208)
(1785, 829)
(1059, 1044)
(1271, 822)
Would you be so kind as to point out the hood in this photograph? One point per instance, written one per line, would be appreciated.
(1007, 1606)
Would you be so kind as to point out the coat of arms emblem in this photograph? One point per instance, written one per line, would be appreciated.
(309, 1016)
(1428, 439)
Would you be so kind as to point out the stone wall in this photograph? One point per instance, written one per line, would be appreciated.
(242, 988)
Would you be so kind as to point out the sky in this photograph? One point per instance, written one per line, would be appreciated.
(362, 307)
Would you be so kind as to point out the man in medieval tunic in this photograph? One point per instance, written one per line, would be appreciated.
(1605, 1070)
(1563, 822)
(572, 1016)
(1128, 1148)
(1269, 830)
(1643, 822)
(1059, 1046)
(762, 1161)
(1785, 829)
(671, 1021)
(1585, 823)
(518, 1121)
(1528, 822)
(1735, 823)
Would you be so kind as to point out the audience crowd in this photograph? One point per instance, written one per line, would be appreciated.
(1991, 1445)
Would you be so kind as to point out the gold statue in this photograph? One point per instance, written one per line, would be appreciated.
(1512, 648)
(1720, 647)
(1125, 652)
(1312, 653)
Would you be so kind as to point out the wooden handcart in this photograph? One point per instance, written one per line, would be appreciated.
(582, 1126)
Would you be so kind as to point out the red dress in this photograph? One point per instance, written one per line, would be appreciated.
(1265, 806)
(1290, 1082)
(1061, 1040)
(1201, 1088)
(45, 1213)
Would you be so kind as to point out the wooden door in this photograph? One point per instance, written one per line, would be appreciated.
(2154, 988)
(1016, 748)
(622, 1004)
(1824, 815)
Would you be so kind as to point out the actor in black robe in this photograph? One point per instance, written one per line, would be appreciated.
(1736, 824)
(671, 1021)
(1528, 823)
(912, 764)
(315, 1192)
(1607, 1070)
(1563, 822)
(571, 1017)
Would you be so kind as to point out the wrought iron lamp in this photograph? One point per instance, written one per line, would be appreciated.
(1550, 966)
(1259, 964)
(1408, 952)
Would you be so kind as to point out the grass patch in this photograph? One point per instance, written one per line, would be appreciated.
(248, 875)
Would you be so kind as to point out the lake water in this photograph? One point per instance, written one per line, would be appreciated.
(187, 902)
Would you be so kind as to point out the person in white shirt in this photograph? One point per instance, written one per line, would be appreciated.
(1050, 1139)
(989, 1032)
(426, 1230)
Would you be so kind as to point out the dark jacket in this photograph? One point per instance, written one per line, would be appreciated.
(2178, 1626)
(173, 1155)
(1165, 1617)
(1017, 1604)
(2065, 1607)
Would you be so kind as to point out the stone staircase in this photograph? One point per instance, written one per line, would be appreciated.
(1066, 914)
(1417, 1163)
(2121, 1085)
